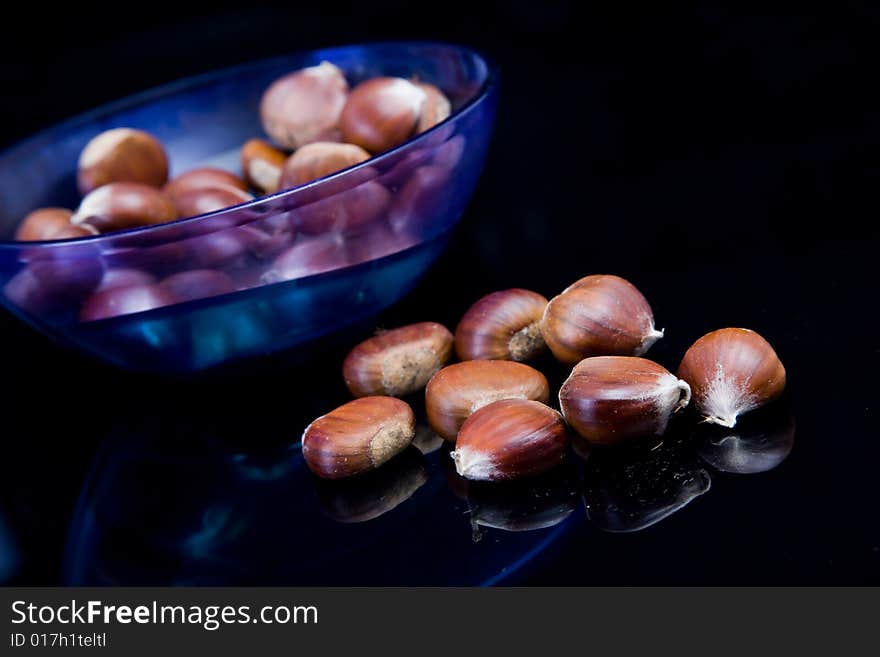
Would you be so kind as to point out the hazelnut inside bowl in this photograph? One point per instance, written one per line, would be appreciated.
(357, 239)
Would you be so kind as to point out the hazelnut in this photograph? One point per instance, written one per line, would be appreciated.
(121, 205)
(397, 362)
(381, 113)
(358, 436)
(307, 257)
(502, 325)
(304, 106)
(319, 159)
(375, 241)
(54, 283)
(198, 284)
(599, 316)
(449, 153)
(194, 202)
(421, 200)
(222, 247)
(350, 210)
(122, 155)
(43, 224)
(375, 493)
(731, 371)
(510, 439)
(262, 164)
(436, 108)
(122, 277)
(201, 178)
(124, 301)
(458, 390)
(611, 399)
(72, 232)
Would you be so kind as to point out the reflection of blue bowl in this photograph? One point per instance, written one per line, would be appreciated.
(160, 511)
(416, 193)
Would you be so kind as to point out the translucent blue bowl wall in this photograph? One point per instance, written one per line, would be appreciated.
(204, 121)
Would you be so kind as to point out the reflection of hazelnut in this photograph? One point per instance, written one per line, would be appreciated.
(122, 155)
(375, 493)
(304, 106)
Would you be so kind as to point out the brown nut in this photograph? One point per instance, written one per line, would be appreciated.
(124, 205)
(381, 113)
(510, 439)
(43, 224)
(732, 371)
(201, 178)
(122, 155)
(611, 399)
(421, 201)
(54, 283)
(262, 164)
(307, 257)
(358, 436)
(198, 284)
(124, 301)
(349, 211)
(397, 362)
(304, 106)
(502, 325)
(194, 202)
(319, 159)
(599, 316)
(458, 390)
(437, 107)
(122, 277)
(71, 232)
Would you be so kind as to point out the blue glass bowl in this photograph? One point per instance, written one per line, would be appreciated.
(305, 262)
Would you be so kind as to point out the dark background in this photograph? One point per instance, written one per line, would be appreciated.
(727, 164)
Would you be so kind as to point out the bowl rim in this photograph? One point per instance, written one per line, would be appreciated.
(153, 93)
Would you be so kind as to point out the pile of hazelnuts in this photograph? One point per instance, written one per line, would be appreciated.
(495, 407)
(317, 125)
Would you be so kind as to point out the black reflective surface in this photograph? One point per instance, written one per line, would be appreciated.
(726, 164)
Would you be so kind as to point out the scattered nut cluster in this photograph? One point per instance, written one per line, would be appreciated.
(495, 408)
(318, 126)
